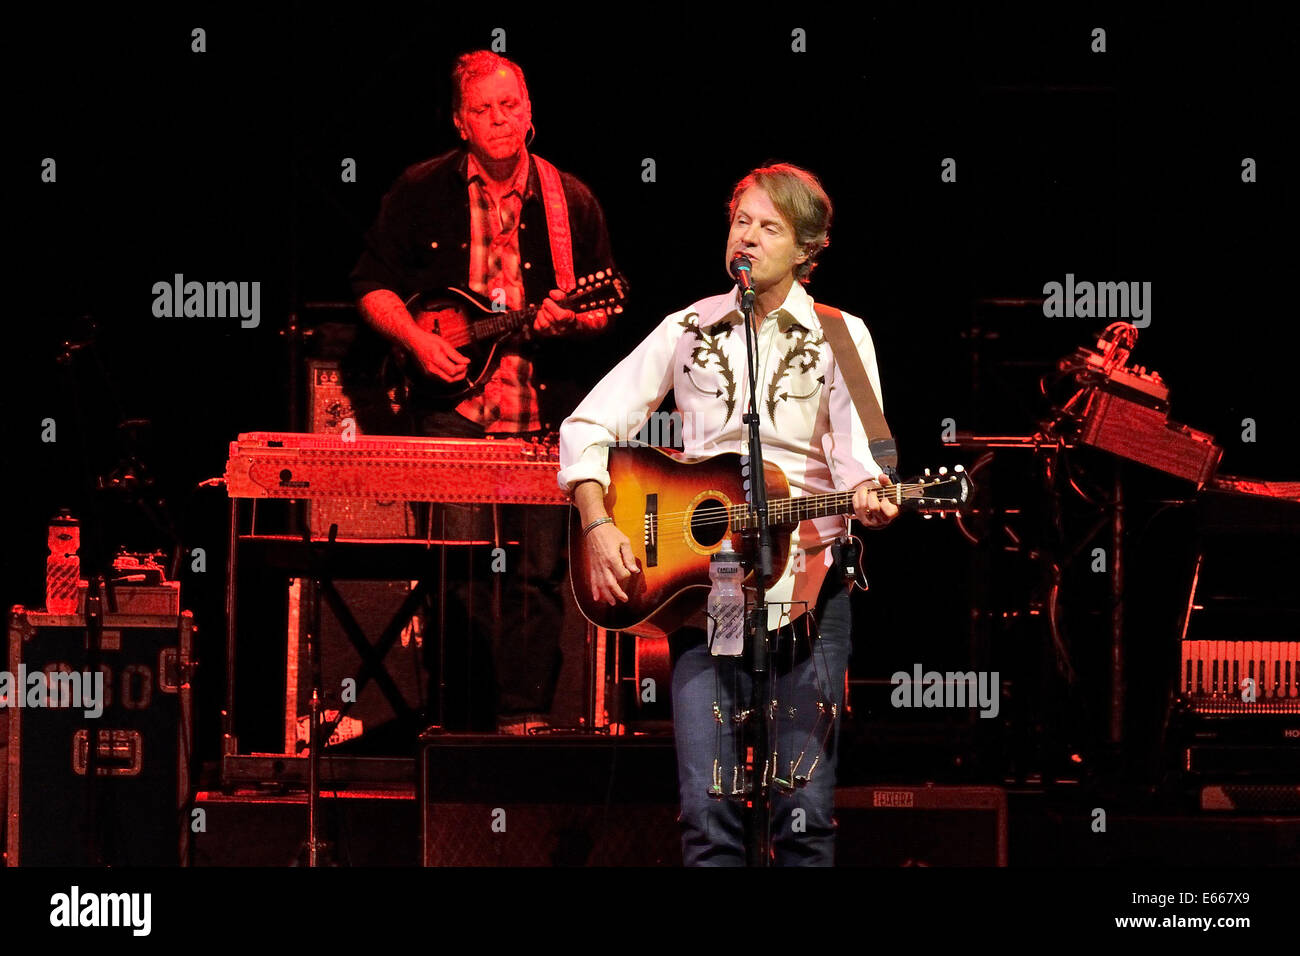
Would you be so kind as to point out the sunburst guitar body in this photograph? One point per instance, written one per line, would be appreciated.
(677, 513)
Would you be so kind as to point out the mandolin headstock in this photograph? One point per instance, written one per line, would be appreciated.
(605, 289)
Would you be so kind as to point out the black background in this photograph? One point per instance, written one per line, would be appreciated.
(225, 166)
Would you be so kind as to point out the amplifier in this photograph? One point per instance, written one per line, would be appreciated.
(262, 828)
(549, 800)
(1252, 798)
(1144, 434)
(164, 598)
(1220, 748)
(137, 710)
(337, 402)
(910, 825)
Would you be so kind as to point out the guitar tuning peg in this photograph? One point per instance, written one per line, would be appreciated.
(959, 468)
(943, 470)
(927, 472)
(600, 274)
(582, 280)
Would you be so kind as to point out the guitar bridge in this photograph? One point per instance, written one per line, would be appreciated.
(651, 530)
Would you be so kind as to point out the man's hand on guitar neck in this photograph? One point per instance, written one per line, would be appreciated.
(609, 551)
(872, 509)
(554, 319)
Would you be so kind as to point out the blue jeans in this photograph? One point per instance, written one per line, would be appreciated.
(713, 831)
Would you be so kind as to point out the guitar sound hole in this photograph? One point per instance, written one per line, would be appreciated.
(709, 522)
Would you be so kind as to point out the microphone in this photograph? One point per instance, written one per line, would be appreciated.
(741, 271)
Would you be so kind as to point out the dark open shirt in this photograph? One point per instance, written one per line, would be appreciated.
(420, 242)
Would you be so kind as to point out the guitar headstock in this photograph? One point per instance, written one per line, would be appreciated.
(942, 493)
(606, 289)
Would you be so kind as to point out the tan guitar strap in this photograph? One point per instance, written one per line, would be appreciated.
(557, 224)
(880, 440)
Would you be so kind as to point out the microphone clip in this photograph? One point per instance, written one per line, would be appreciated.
(742, 271)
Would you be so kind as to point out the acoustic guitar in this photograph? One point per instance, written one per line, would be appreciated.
(676, 514)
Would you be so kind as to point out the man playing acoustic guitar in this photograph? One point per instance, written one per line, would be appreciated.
(780, 218)
(509, 226)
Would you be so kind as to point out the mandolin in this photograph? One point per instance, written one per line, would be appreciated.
(470, 324)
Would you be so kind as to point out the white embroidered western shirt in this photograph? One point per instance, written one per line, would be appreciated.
(808, 424)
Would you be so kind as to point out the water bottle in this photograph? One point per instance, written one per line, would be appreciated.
(63, 566)
(726, 607)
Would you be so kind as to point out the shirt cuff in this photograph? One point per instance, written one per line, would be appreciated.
(591, 466)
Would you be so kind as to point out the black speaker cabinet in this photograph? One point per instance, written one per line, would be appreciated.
(910, 825)
(135, 813)
(550, 800)
(260, 828)
(385, 703)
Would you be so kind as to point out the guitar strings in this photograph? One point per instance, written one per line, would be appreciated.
(672, 521)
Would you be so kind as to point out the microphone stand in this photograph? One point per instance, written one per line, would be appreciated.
(315, 847)
(759, 537)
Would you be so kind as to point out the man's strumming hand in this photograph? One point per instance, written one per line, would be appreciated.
(612, 563)
(436, 356)
(610, 559)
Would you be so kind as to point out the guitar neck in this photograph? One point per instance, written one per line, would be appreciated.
(793, 510)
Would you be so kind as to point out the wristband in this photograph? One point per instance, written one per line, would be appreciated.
(595, 524)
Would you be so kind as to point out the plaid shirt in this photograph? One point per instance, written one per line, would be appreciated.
(508, 402)
(420, 242)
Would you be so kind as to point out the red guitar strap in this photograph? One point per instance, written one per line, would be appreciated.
(557, 224)
(880, 440)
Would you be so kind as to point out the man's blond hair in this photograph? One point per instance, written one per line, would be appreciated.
(802, 202)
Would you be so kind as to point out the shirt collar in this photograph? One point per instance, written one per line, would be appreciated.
(796, 312)
(523, 181)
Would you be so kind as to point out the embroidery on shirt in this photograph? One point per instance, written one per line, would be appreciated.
(710, 348)
(805, 348)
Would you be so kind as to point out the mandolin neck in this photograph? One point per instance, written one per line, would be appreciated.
(496, 324)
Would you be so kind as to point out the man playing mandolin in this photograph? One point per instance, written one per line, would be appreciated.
(780, 218)
(502, 223)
